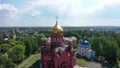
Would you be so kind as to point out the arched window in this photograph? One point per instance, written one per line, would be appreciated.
(50, 64)
(58, 39)
(54, 39)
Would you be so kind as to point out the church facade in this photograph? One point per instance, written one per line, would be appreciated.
(84, 49)
(55, 53)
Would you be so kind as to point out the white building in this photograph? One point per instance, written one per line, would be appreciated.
(84, 49)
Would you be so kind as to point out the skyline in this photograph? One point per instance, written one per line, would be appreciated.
(69, 12)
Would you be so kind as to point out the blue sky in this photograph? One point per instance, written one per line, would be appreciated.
(69, 12)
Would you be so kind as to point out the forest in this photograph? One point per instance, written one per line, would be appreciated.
(17, 44)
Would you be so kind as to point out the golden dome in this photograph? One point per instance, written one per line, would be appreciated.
(57, 28)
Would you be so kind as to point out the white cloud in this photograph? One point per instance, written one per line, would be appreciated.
(8, 7)
(73, 7)
(35, 12)
(8, 14)
(76, 10)
(7, 10)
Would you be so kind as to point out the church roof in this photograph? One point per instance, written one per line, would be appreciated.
(85, 42)
(57, 28)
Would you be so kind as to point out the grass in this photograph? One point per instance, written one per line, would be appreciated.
(35, 65)
(81, 61)
(119, 64)
(30, 62)
(33, 61)
(76, 49)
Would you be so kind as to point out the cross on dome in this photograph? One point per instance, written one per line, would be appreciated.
(57, 28)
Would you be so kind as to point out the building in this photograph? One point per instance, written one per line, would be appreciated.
(67, 39)
(84, 49)
(72, 38)
(55, 53)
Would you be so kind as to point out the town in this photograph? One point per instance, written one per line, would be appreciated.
(23, 42)
(59, 33)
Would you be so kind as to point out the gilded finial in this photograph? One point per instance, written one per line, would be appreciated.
(56, 20)
(57, 28)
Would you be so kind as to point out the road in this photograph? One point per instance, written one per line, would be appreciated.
(79, 67)
(94, 65)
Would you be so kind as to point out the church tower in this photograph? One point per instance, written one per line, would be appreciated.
(55, 54)
(57, 36)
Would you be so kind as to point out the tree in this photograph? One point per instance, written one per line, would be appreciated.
(16, 53)
(1, 40)
(28, 46)
(41, 38)
(4, 47)
(106, 47)
(118, 54)
(97, 45)
(110, 50)
(35, 44)
(6, 62)
(117, 38)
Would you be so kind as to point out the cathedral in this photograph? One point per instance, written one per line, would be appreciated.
(55, 53)
(84, 49)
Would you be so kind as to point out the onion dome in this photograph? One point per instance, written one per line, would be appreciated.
(85, 43)
(57, 28)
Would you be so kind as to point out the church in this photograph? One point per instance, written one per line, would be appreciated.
(84, 49)
(55, 53)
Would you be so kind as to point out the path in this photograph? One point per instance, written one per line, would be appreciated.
(94, 65)
(33, 58)
(29, 61)
(76, 66)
